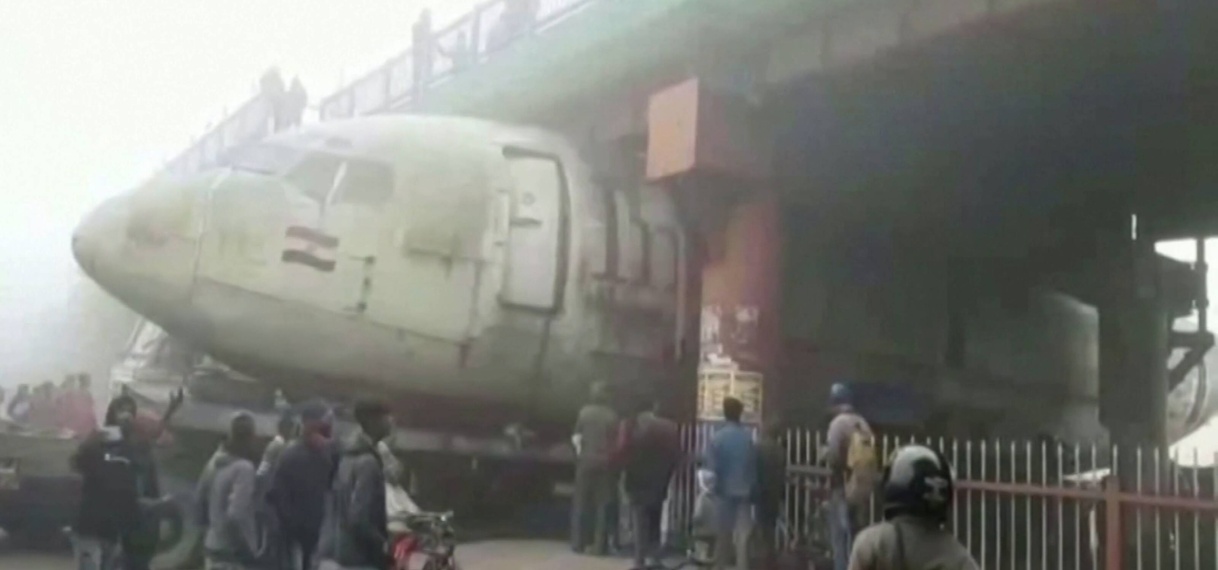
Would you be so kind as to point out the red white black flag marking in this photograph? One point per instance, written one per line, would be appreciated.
(310, 247)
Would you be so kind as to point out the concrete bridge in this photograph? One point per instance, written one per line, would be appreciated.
(953, 203)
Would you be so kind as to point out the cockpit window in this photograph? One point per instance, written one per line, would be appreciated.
(261, 158)
(315, 175)
(330, 178)
(365, 182)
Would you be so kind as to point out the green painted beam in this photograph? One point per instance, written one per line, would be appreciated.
(606, 44)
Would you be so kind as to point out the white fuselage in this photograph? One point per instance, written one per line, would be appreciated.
(435, 256)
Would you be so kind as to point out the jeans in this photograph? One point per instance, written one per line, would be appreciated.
(299, 552)
(647, 534)
(94, 553)
(734, 516)
(766, 523)
(841, 529)
(595, 486)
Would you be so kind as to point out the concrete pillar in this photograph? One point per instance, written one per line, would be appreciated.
(741, 301)
(1133, 326)
(703, 145)
(1133, 331)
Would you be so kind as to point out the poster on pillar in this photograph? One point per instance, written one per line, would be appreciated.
(718, 382)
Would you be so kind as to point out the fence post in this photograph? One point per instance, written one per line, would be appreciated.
(1113, 540)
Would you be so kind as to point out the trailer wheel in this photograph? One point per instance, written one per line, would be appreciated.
(181, 544)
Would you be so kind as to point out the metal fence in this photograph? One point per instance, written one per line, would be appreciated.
(463, 44)
(468, 42)
(1029, 504)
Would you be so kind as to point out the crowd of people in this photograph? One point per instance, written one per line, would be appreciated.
(306, 501)
(746, 487)
(67, 408)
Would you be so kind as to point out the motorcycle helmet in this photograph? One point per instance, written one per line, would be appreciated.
(918, 482)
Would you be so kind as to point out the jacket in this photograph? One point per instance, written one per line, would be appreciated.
(906, 542)
(597, 429)
(204, 487)
(650, 457)
(110, 472)
(837, 447)
(355, 533)
(733, 459)
(299, 485)
(271, 455)
(771, 477)
(231, 531)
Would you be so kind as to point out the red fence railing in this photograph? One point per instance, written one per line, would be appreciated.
(1034, 505)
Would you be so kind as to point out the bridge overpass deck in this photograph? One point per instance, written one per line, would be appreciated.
(983, 128)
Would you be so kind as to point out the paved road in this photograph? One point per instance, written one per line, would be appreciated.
(25, 561)
(492, 555)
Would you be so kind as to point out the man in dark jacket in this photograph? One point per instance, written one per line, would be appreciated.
(118, 481)
(300, 482)
(771, 489)
(231, 539)
(651, 457)
(355, 531)
(140, 545)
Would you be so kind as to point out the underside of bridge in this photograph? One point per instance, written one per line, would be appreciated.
(964, 226)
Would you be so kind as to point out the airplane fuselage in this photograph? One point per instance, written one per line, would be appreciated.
(446, 259)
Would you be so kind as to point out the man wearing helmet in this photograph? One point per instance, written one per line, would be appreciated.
(917, 496)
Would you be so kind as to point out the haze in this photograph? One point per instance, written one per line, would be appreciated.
(97, 95)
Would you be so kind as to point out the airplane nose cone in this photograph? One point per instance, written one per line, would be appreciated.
(139, 246)
(101, 228)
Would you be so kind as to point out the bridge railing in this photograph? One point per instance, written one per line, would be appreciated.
(465, 43)
(1018, 503)
(250, 122)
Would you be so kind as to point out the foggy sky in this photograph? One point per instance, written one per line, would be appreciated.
(97, 95)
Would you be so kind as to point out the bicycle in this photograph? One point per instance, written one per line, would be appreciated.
(429, 534)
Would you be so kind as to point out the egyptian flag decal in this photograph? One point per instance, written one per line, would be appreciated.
(311, 247)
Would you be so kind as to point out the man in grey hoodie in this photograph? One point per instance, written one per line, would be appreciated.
(227, 490)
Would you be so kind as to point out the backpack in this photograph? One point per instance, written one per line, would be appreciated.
(862, 465)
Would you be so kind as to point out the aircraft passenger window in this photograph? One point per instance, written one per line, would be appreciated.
(261, 158)
(315, 175)
(365, 182)
(632, 237)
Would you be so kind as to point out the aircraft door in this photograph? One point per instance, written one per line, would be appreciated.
(537, 232)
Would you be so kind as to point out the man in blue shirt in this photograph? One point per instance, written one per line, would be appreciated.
(733, 459)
